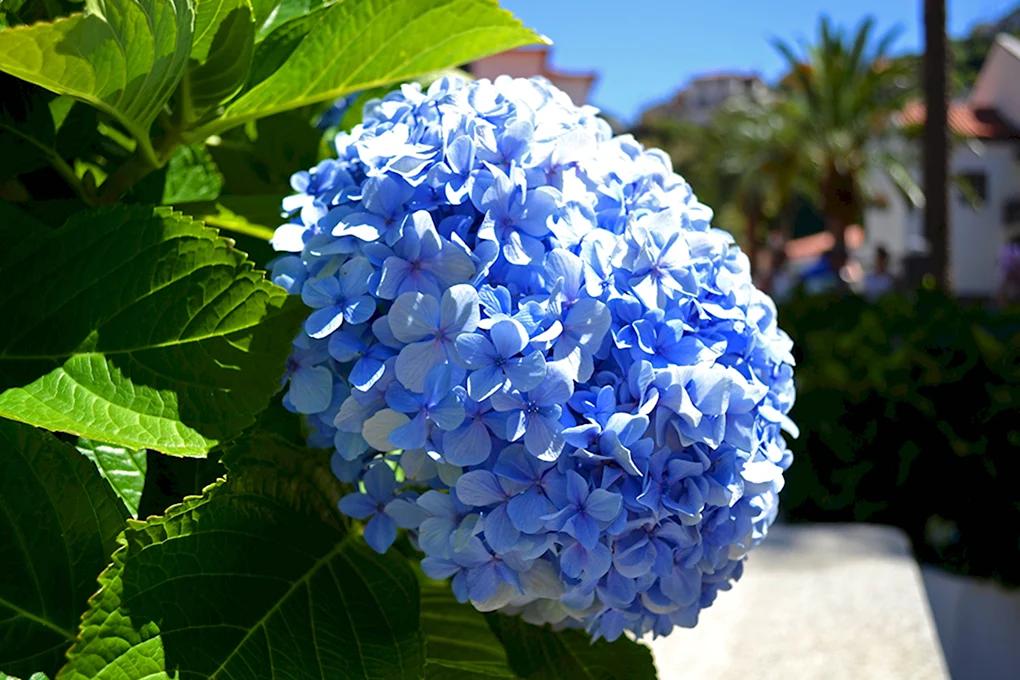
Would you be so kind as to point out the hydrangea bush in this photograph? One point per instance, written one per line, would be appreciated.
(163, 516)
(529, 348)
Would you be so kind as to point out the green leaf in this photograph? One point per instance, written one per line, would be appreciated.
(124, 57)
(539, 653)
(241, 584)
(458, 641)
(287, 10)
(139, 328)
(223, 46)
(260, 159)
(123, 468)
(256, 216)
(191, 175)
(27, 134)
(360, 44)
(34, 676)
(58, 525)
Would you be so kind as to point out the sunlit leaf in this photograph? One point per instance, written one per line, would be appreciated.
(122, 56)
(123, 468)
(359, 44)
(141, 329)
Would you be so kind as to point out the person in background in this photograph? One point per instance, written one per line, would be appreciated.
(880, 281)
(781, 282)
(1009, 273)
(825, 276)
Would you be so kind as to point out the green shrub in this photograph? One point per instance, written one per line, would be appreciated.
(908, 417)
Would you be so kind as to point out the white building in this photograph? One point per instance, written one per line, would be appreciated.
(704, 94)
(987, 158)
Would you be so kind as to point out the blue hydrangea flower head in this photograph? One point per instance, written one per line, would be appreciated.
(530, 349)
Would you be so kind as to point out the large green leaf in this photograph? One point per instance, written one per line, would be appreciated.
(459, 643)
(139, 328)
(122, 56)
(252, 581)
(223, 46)
(58, 524)
(123, 468)
(539, 653)
(359, 44)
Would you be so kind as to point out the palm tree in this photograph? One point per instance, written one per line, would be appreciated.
(844, 91)
(760, 162)
(748, 159)
(936, 140)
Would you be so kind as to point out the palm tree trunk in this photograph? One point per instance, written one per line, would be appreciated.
(839, 204)
(936, 141)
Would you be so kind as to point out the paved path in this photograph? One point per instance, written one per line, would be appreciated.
(816, 602)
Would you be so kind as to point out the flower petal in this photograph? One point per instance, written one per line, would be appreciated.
(413, 316)
(380, 532)
(377, 429)
(311, 389)
(527, 372)
(479, 488)
(322, 322)
(508, 337)
(405, 514)
(499, 531)
(459, 311)
(416, 360)
(474, 350)
(357, 505)
(527, 509)
(467, 445)
(603, 505)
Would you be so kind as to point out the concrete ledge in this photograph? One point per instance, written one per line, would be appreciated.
(832, 602)
(978, 623)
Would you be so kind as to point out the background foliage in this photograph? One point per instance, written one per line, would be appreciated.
(141, 348)
(907, 411)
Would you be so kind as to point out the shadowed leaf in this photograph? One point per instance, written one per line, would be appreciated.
(540, 653)
(58, 524)
(250, 581)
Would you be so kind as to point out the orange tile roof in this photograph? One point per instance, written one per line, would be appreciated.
(964, 121)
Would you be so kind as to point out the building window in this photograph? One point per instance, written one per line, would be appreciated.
(1011, 212)
(973, 187)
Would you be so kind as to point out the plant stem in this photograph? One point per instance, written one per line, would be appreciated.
(144, 161)
(123, 178)
(67, 172)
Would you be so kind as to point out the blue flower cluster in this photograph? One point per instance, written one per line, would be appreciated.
(530, 349)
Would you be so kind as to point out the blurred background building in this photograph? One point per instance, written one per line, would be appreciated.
(705, 94)
(984, 205)
(525, 62)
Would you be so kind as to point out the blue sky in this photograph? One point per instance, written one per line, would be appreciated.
(643, 50)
